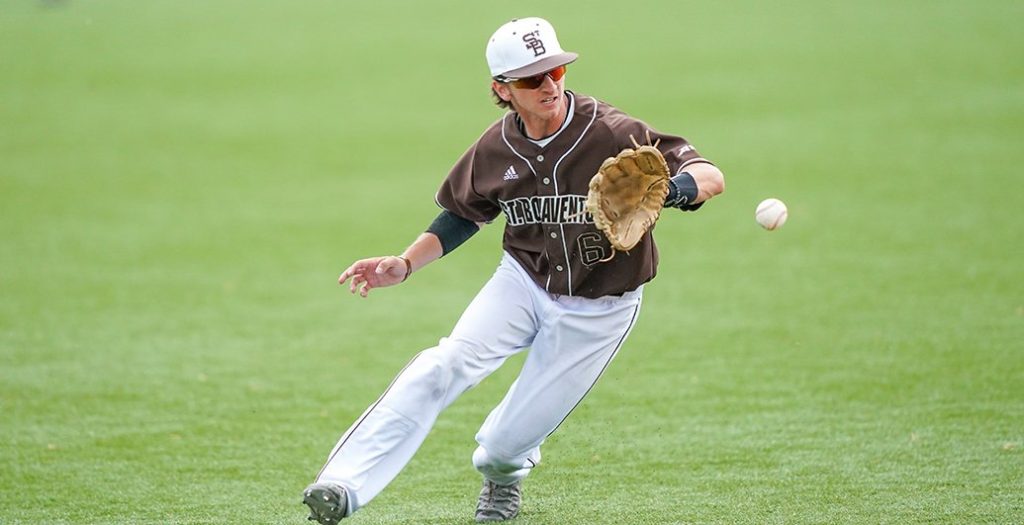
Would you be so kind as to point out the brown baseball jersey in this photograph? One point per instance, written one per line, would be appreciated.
(542, 191)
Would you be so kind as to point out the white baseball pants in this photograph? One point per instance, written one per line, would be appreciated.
(572, 341)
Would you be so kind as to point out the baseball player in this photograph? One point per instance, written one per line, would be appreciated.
(556, 290)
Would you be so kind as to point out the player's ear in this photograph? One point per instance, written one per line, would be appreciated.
(502, 89)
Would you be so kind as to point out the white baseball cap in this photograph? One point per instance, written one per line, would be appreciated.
(525, 47)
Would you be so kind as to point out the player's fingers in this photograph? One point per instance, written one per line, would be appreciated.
(357, 279)
(354, 269)
(365, 290)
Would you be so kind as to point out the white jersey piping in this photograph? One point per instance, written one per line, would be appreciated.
(554, 177)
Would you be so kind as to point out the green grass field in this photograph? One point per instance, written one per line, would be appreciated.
(182, 182)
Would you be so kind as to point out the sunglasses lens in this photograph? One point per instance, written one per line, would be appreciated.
(529, 82)
(534, 82)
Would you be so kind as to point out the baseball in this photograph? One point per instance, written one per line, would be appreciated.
(771, 214)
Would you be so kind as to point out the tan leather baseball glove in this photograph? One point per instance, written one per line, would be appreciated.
(627, 194)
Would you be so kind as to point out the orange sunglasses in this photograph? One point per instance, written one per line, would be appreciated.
(535, 81)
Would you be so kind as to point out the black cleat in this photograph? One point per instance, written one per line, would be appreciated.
(327, 502)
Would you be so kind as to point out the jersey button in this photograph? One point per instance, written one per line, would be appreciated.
(554, 235)
(540, 158)
(546, 180)
(559, 267)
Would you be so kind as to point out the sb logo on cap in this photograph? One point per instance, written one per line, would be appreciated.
(534, 43)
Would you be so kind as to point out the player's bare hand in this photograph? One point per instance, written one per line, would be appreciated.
(375, 272)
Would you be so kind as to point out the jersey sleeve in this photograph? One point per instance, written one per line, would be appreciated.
(458, 193)
(678, 152)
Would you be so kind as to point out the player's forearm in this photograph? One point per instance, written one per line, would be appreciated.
(697, 183)
(710, 180)
(452, 230)
(423, 251)
(446, 233)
